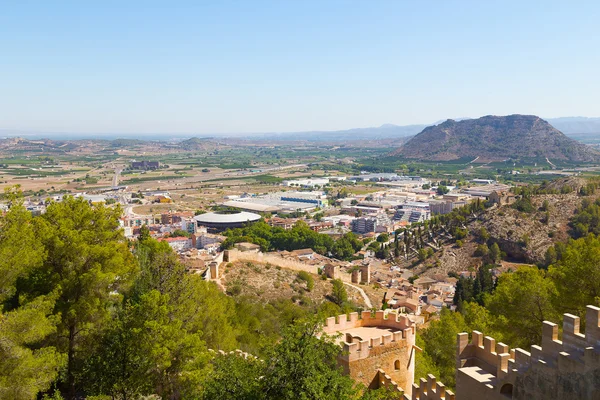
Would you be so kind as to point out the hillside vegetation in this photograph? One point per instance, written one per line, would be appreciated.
(512, 307)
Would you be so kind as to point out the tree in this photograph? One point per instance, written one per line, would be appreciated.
(144, 233)
(339, 294)
(88, 264)
(440, 343)
(306, 277)
(484, 235)
(577, 275)
(26, 368)
(180, 233)
(234, 377)
(495, 254)
(441, 190)
(299, 366)
(383, 238)
(304, 366)
(522, 301)
(482, 250)
(148, 350)
(545, 206)
(203, 308)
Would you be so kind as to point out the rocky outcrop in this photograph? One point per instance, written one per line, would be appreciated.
(496, 138)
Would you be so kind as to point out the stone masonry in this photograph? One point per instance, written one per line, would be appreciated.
(376, 351)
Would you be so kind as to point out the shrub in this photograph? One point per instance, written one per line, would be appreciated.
(306, 277)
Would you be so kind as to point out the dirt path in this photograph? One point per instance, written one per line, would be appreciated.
(363, 294)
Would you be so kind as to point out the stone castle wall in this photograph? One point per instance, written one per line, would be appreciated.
(430, 389)
(391, 352)
(558, 369)
(236, 255)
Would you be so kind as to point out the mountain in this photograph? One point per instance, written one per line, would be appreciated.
(496, 138)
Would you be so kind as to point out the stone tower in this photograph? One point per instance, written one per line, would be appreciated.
(376, 351)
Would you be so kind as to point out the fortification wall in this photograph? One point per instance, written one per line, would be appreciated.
(558, 369)
(384, 380)
(430, 389)
(392, 351)
(343, 322)
(236, 255)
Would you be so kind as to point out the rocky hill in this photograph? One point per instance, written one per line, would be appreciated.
(496, 138)
(524, 237)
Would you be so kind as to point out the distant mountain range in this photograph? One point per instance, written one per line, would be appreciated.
(572, 126)
(496, 138)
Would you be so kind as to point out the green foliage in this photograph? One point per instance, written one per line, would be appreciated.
(306, 277)
(441, 190)
(495, 253)
(474, 289)
(383, 238)
(522, 301)
(300, 366)
(180, 233)
(339, 295)
(425, 253)
(482, 250)
(523, 205)
(25, 368)
(299, 237)
(586, 219)
(440, 344)
(304, 366)
(484, 235)
(577, 275)
(234, 377)
(88, 265)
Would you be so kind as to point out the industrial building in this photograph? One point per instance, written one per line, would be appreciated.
(308, 183)
(282, 202)
(145, 165)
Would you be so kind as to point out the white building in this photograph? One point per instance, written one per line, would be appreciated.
(178, 243)
(311, 182)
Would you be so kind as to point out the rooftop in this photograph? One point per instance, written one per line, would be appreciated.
(366, 333)
(214, 217)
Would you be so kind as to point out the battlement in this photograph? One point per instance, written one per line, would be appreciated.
(375, 342)
(384, 380)
(430, 389)
(344, 322)
(573, 353)
(492, 364)
(357, 344)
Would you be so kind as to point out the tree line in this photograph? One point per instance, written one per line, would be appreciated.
(299, 237)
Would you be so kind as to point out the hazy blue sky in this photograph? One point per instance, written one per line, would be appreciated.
(291, 65)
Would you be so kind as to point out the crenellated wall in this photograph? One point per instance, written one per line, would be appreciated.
(343, 322)
(363, 356)
(558, 369)
(430, 389)
(384, 380)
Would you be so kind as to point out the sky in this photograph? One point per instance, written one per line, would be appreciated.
(291, 65)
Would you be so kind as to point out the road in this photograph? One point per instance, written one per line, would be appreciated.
(115, 181)
(363, 294)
